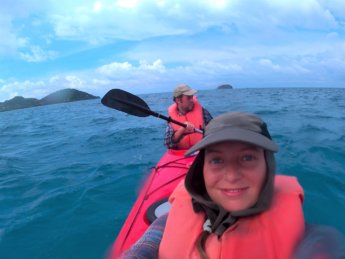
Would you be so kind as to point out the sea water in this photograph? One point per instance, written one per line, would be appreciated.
(70, 173)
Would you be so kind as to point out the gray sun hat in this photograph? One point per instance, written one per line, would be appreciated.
(183, 89)
(236, 126)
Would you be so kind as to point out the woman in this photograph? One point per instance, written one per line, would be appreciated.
(232, 205)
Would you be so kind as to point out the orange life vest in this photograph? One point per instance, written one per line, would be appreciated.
(273, 234)
(195, 116)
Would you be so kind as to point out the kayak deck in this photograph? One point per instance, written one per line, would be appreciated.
(163, 179)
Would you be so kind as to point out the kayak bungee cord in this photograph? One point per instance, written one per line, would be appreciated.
(147, 188)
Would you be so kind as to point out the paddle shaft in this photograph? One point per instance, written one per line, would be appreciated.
(158, 115)
(174, 121)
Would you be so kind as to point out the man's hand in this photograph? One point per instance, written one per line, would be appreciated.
(190, 128)
(181, 132)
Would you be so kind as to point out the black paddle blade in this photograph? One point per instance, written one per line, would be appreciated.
(126, 102)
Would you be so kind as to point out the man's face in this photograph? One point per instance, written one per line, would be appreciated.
(185, 103)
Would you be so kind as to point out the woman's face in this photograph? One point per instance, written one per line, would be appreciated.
(234, 173)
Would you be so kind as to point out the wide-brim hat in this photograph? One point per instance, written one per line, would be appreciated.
(236, 126)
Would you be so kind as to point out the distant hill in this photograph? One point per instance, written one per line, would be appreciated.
(225, 86)
(61, 96)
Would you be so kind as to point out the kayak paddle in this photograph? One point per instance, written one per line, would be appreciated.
(129, 103)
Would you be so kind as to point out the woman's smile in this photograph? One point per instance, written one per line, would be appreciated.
(234, 192)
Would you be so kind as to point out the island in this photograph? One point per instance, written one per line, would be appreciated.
(225, 86)
(61, 96)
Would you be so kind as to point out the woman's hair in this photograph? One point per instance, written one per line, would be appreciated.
(200, 244)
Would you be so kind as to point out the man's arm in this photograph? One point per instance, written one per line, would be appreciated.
(172, 138)
(206, 115)
(168, 138)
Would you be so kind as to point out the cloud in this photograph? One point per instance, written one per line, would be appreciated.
(139, 20)
(307, 14)
(28, 89)
(13, 16)
(97, 22)
(36, 54)
(114, 68)
(155, 43)
(101, 82)
(292, 68)
(117, 69)
(145, 77)
(68, 81)
(104, 21)
(127, 4)
(155, 66)
(39, 88)
(10, 42)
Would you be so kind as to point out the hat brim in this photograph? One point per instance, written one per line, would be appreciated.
(235, 134)
(190, 92)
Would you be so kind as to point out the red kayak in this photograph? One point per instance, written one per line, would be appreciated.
(152, 200)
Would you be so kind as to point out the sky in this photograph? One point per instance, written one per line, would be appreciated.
(150, 46)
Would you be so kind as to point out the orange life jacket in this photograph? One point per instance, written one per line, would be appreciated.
(195, 116)
(272, 234)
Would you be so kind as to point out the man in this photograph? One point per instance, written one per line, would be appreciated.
(186, 109)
